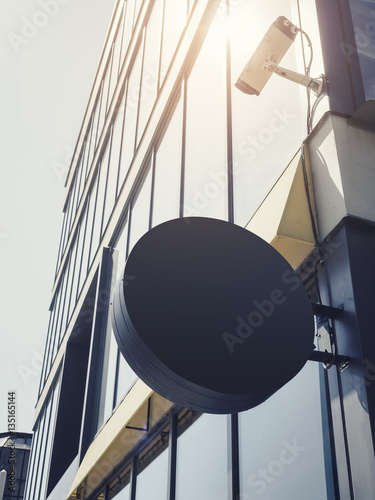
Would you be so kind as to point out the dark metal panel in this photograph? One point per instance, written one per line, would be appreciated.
(361, 250)
(172, 456)
(235, 457)
(69, 414)
(350, 277)
(95, 365)
(340, 56)
(133, 477)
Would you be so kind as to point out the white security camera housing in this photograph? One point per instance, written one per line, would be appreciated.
(271, 49)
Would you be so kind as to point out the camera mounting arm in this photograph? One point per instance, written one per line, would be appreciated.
(314, 84)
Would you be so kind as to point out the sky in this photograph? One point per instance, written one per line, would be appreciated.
(49, 52)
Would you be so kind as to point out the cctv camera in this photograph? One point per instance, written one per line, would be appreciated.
(270, 51)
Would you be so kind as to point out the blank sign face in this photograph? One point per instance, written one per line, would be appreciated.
(210, 316)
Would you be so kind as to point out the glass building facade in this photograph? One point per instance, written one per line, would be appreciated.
(166, 135)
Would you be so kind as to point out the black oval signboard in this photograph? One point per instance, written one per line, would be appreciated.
(214, 318)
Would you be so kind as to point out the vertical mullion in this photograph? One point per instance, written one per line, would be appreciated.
(140, 87)
(122, 28)
(172, 464)
(59, 253)
(229, 122)
(183, 147)
(89, 146)
(122, 99)
(329, 443)
(115, 389)
(46, 347)
(109, 69)
(235, 457)
(133, 477)
(64, 290)
(84, 229)
(160, 47)
(74, 268)
(109, 146)
(152, 166)
(98, 110)
(93, 217)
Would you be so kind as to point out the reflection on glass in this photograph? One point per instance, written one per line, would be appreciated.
(175, 14)
(206, 191)
(363, 15)
(167, 177)
(281, 443)
(202, 460)
(140, 212)
(150, 67)
(153, 481)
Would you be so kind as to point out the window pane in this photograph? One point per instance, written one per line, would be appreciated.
(150, 67)
(129, 8)
(115, 143)
(96, 233)
(132, 97)
(91, 140)
(138, 4)
(167, 179)
(281, 443)
(205, 161)
(153, 481)
(88, 232)
(202, 460)
(140, 213)
(175, 14)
